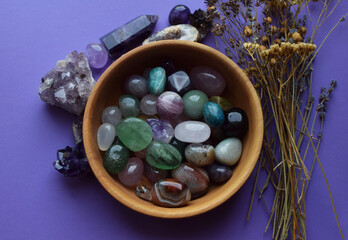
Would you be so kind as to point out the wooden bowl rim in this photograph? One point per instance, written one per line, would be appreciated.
(190, 210)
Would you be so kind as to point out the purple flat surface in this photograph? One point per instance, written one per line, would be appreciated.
(36, 202)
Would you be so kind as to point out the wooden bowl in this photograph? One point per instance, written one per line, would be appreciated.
(186, 55)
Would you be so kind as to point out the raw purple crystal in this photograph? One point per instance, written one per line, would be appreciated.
(72, 162)
(162, 130)
(128, 36)
(69, 84)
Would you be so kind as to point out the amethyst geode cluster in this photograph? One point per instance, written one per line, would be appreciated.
(68, 84)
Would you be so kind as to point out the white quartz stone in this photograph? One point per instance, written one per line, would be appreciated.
(228, 151)
(192, 132)
(105, 136)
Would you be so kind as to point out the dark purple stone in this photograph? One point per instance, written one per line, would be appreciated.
(162, 129)
(153, 174)
(128, 36)
(218, 173)
(179, 15)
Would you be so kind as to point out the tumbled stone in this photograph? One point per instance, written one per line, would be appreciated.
(219, 173)
(207, 80)
(229, 151)
(200, 154)
(136, 85)
(116, 158)
(194, 101)
(141, 154)
(156, 81)
(148, 104)
(129, 105)
(213, 114)
(179, 145)
(69, 84)
(161, 129)
(128, 36)
(105, 136)
(179, 15)
(135, 133)
(192, 132)
(195, 178)
(132, 173)
(224, 103)
(179, 82)
(96, 55)
(236, 123)
(169, 105)
(112, 115)
(162, 155)
(154, 174)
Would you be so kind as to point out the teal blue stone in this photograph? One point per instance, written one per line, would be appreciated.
(163, 156)
(116, 157)
(156, 81)
(194, 101)
(213, 114)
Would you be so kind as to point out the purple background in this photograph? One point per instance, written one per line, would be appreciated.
(36, 202)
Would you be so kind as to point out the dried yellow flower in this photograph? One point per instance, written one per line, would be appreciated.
(247, 31)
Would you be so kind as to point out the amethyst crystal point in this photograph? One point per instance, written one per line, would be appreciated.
(128, 36)
(72, 162)
(69, 84)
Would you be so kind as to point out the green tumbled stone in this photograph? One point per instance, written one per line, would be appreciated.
(194, 101)
(224, 103)
(116, 158)
(162, 155)
(135, 133)
(156, 81)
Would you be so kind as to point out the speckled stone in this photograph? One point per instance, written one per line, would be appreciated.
(229, 151)
(213, 114)
(129, 105)
(200, 154)
(194, 101)
(116, 158)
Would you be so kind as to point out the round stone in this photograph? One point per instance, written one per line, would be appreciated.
(199, 154)
(162, 130)
(192, 132)
(129, 105)
(148, 104)
(132, 173)
(207, 80)
(169, 105)
(135, 133)
(116, 158)
(96, 55)
(154, 174)
(179, 82)
(213, 114)
(179, 15)
(236, 123)
(162, 155)
(224, 103)
(136, 85)
(156, 81)
(194, 101)
(228, 151)
(112, 115)
(105, 136)
(219, 173)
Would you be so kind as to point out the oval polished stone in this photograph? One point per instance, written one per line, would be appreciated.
(105, 136)
(112, 115)
(136, 85)
(129, 105)
(194, 101)
(219, 173)
(154, 174)
(162, 130)
(224, 103)
(170, 193)
(132, 173)
(179, 82)
(192, 132)
(207, 80)
(213, 114)
(229, 151)
(135, 133)
(169, 105)
(116, 158)
(179, 15)
(162, 155)
(195, 178)
(236, 123)
(200, 154)
(148, 104)
(156, 81)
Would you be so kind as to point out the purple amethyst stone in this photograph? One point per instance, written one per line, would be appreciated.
(162, 130)
(96, 55)
(179, 15)
(169, 105)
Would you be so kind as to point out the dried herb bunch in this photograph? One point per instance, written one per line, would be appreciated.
(270, 41)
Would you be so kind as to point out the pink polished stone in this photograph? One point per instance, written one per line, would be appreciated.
(169, 104)
(132, 173)
(192, 132)
(207, 80)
